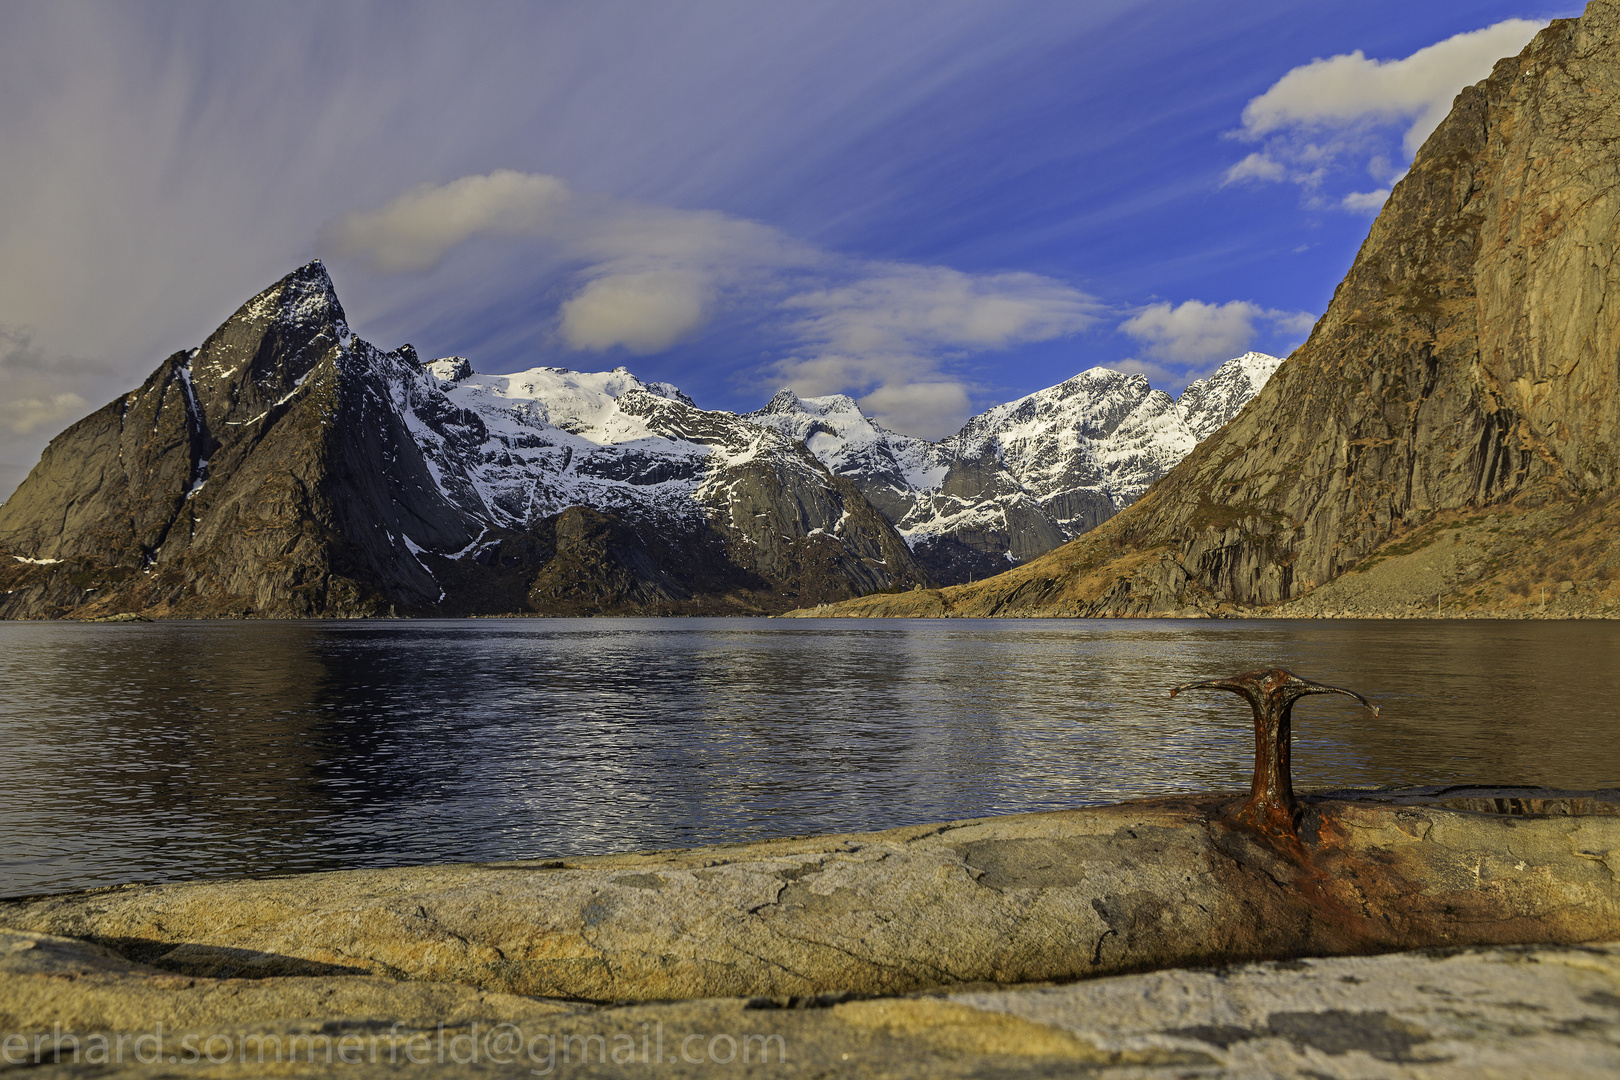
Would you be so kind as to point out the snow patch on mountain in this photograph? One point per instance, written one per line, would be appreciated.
(528, 445)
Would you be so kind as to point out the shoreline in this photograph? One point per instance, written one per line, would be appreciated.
(1148, 936)
(845, 610)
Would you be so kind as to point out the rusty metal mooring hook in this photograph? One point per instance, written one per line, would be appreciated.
(1271, 693)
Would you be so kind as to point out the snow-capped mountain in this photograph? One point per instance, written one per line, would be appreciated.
(518, 449)
(1024, 477)
(286, 468)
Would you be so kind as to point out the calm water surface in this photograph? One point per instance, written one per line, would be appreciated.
(162, 751)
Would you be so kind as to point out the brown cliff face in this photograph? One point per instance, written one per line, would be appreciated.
(1466, 367)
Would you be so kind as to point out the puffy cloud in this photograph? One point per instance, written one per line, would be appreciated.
(1342, 90)
(43, 394)
(1160, 375)
(1194, 332)
(644, 277)
(888, 333)
(1368, 202)
(1291, 323)
(645, 312)
(1256, 166)
(906, 308)
(931, 410)
(1337, 114)
(41, 391)
(25, 413)
(415, 230)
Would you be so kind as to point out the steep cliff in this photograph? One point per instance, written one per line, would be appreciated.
(1465, 372)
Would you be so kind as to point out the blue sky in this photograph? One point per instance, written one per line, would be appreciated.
(932, 206)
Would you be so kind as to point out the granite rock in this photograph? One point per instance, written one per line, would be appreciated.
(1058, 895)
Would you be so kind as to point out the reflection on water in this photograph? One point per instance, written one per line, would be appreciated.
(173, 750)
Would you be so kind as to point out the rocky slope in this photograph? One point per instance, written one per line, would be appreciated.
(1465, 368)
(287, 468)
(1024, 477)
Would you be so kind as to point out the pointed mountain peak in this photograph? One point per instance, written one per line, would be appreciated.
(261, 352)
(304, 298)
(784, 401)
(1207, 404)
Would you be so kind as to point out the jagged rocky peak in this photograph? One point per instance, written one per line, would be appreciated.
(272, 342)
(783, 401)
(304, 298)
(1208, 404)
(450, 368)
(835, 430)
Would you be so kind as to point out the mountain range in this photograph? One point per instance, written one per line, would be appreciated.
(1024, 477)
(288, 468)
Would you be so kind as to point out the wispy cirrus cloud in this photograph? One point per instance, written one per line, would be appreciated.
(642, 278)
(1331, 119)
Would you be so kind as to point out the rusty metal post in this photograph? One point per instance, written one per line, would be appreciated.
(1271, 693)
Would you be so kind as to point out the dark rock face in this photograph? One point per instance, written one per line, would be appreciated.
(286, 468)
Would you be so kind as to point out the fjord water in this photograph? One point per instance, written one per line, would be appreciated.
(165, 751)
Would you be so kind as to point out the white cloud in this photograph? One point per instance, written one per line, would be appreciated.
(42, 391)
(1194, 332)
(895, 307)
(646, 312)
(1160, 375)
(415, 230)
(1344, 89)
(887, 332)
(1368, 202)
(43, 394)
(1325, 117)
(645, 277)
(1256, 166)
(1291, 323)
(930, 410)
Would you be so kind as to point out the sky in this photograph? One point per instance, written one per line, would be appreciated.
(933, 206)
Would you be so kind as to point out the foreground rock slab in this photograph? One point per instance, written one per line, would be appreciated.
(1030, 898)
(68, 1008)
